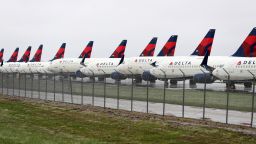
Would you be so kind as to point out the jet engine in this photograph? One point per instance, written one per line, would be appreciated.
(146, 76)
(80, 74)
(118, 76)
(202, 78)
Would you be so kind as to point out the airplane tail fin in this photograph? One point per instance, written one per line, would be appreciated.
(169, 47)
(205, 45)
(1, 55)
(119, 52)
(87, 50)
(37, 56)
(26, 55)
(14, 56)
(60, 53)
(248, 47)
(150, 48)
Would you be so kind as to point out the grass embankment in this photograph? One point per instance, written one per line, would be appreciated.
(30, 121)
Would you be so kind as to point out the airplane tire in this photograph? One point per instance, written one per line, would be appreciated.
(173, 83)
(192, 84)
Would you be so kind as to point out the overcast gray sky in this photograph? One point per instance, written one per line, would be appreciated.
(107, 22)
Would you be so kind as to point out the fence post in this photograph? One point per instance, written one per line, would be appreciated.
(62, 88)
(227, 106)
(253, 94)
(93, 82)
(53, 86)
(39, 89)
(13, 75)
(164, 91)
(7, 84)
(2, 82)
(118, 93)
(131, 91)
(82, 90)
(25, 84)
(32, 79)
(46, 89)
(147, 96)
(70, 82)
(204, 94)
(104, 95)
(183, 93)
(19, 83)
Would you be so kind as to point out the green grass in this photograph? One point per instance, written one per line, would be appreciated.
(241, 101)
(39, 122)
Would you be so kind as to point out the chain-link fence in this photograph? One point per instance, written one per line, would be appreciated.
(225, 102)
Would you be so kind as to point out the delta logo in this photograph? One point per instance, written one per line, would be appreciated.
(181, 63)
(249, 62)
(143, 60)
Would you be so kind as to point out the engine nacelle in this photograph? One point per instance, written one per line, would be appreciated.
(202, 78)
(146, 76)
(118, 76)
(80, 74)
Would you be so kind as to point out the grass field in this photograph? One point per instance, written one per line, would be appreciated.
(214, 99)
(28, 121)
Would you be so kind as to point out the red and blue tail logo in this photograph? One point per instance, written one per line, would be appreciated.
(26, 55)
(169, 47)
(205, 45)
(14, 56)
(60, 53)
(150, 48)
(38, 54)
(87, 50)
(1, 55)
(248, 47)
(119, 52)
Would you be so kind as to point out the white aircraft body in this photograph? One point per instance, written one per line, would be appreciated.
(100, 66)
(238, 69)
(40, 67)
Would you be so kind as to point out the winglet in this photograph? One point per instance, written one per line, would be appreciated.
(121, 60)
(154, 64)
(204, 63)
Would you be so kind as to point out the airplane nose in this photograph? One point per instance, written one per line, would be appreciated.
(215, 72)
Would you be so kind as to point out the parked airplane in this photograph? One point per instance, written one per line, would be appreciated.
(11, 65)
(141, 66)
(41, 67)
(70, 65)
(101, 66)
(188, 67)
(242, 68)
(13, 58)
(21, 67)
